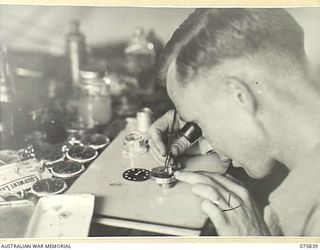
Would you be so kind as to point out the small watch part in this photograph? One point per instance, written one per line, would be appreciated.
(75, 139)
(136, 174)
(49, 186)
(67, 169)
(26, 153)
(163, 178)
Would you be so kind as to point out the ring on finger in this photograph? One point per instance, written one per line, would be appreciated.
(229, 204)
(217, 203)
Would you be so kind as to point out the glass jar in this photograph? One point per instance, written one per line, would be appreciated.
(94, 102)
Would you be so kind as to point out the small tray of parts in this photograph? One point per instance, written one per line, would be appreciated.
(62, 216)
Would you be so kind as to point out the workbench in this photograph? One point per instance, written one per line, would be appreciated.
(140, 205)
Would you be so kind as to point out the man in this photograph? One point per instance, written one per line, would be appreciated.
(242, 75)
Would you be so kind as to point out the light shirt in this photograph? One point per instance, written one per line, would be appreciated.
(294, 208)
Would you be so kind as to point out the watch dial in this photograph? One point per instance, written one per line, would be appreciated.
(136, 174)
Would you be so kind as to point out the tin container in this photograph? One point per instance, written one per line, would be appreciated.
(82, 154)
(49, 186)
(67, 169)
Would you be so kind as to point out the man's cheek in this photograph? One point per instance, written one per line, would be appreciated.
(205, 146)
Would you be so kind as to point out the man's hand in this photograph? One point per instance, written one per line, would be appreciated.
(227, 203)
(158, 132)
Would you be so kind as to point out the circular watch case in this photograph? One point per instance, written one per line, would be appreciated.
(136, 174)
(81, 154)
(49, 186)
(67, 169)
(96, 141)
(163, 177)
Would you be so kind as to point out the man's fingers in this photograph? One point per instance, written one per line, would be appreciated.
(230, 198)
(228, 176)
(192, 178)
(156, 154)
(158, 157)
(217, 217)
(157, 146)
(205, 187)
(156, 141)
(210, 193)
(231, 185)
(158, 129)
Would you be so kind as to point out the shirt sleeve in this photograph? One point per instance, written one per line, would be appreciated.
(272, 220)
(312, 223)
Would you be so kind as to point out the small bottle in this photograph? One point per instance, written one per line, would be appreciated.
(75, 50)
(6, 99)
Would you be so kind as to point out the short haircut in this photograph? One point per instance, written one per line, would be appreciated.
(209, 36)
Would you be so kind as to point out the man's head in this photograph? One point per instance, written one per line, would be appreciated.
(227, 69)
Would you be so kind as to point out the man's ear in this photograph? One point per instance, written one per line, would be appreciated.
(241, 93)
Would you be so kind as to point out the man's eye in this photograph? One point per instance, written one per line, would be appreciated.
(181, 120)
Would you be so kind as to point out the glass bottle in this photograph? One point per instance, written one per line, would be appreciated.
(94, 102)
(75, 50)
